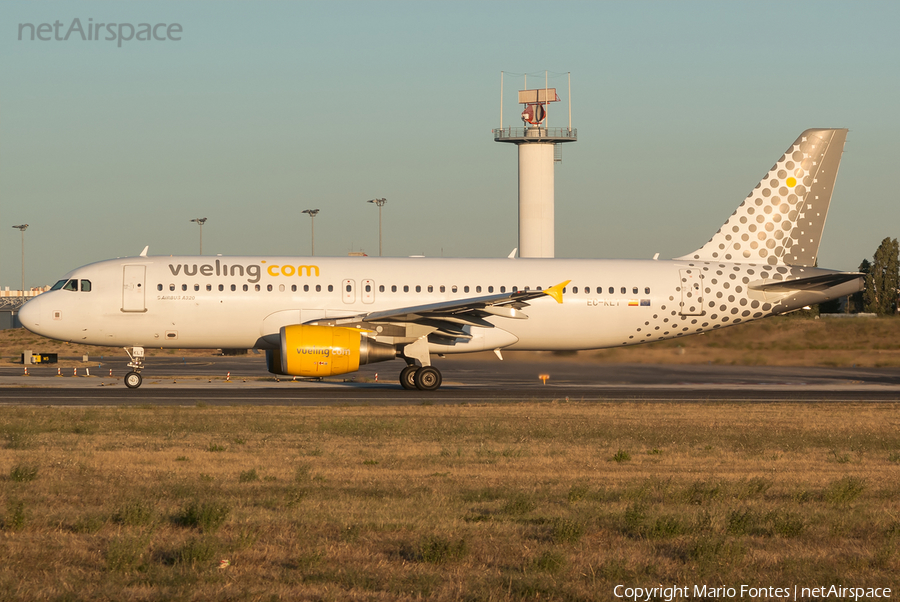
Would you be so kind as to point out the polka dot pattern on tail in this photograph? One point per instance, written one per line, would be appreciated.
(780, 222)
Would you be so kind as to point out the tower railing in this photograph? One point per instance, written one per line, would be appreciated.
(535, 134)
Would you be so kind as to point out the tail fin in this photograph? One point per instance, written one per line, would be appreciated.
(781, 220)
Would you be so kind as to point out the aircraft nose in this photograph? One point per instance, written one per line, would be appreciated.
(30, 315)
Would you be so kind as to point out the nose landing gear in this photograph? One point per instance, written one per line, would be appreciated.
(133, 379)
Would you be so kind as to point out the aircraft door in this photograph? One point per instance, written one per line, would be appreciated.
(691, 292)
(368, 291)
(133, 296)
(348, 289)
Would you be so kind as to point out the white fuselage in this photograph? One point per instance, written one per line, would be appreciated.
(241, 302)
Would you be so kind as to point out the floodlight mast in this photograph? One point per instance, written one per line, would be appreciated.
(22, 229)
(312, 214)
(538, 153)
(200, 221)
(380, 203)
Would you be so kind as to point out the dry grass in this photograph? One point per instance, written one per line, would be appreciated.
(14, 341)
(483, 502)
(779, 341)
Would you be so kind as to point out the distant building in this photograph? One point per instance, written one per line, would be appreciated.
(12, 301)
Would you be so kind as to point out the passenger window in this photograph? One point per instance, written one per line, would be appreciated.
(405, 288)
(490, 289)
(349, 288)
(540, 288)
(158, 287)
(612, 291)
(443, 288)
(330, 288)
(623, 289)
(209, 287)
(430, 288)
(305, 288)
(465, 289)
(418, 288)
(502, 289)
(318, 288)
(647, 290)
(380, 288)
(85, 286)
(574, 289)
(368, 288)
(246, 288)
(221, 287)
(196, 287)
(634, 291)
(453, 289)
(171, 286)
(184, 287)
(233, 287)
(477, 289)
(515, 289)
(393, 288)
(587, 289)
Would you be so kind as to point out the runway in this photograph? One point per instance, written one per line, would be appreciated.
(482, 379)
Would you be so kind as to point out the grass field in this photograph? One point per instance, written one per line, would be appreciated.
(780, 341)
(509, 501)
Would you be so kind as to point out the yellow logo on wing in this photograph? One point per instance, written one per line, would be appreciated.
(557, 291)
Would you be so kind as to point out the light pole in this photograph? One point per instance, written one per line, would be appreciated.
(22, 229)
(200, 221)
(380, 203)
(312, 214)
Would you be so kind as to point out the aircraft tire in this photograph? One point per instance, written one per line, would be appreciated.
(133, 380)
(428, 378)
(408, 377)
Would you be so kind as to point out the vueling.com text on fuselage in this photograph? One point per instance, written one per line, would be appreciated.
(252, 271)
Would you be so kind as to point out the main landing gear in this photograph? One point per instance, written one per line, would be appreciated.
(426, 378)
(133, 379)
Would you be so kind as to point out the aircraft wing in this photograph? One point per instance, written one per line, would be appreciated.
(450, 317)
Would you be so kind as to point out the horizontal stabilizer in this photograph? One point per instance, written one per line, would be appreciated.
(813, 283)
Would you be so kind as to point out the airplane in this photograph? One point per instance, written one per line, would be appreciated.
(324, 316)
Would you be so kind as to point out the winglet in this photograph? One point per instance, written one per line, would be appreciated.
(557, 291)
(144, 252)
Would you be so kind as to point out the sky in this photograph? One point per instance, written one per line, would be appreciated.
(260, 110)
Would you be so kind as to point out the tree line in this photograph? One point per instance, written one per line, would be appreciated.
(882, 285)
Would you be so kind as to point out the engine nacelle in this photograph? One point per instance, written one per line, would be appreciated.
(324, 351)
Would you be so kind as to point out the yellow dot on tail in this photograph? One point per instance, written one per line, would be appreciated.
(791, 182)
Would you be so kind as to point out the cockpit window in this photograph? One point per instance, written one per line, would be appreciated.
(85, 286)
(71, 285)
(58, 285)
